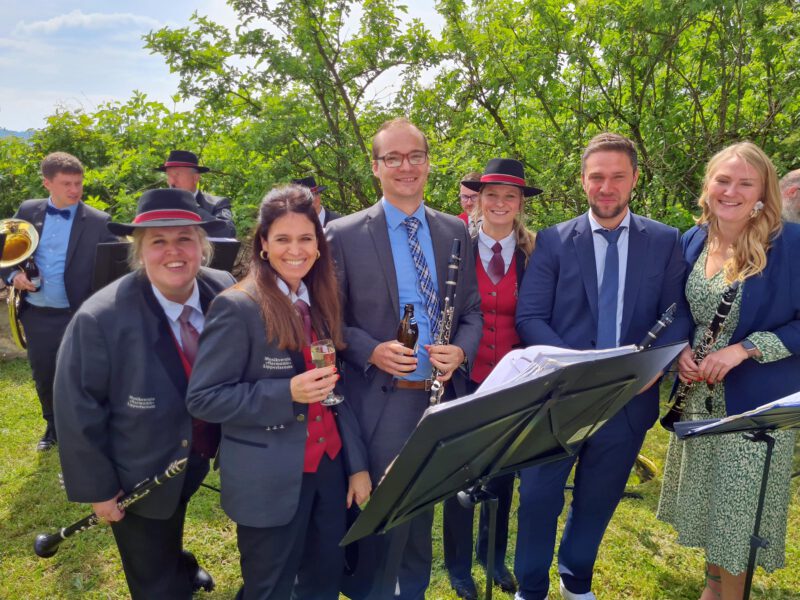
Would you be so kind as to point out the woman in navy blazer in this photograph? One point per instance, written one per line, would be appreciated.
(711, 484)
(283, 456)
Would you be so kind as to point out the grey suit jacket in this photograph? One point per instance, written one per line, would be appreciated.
(119, 394)
(88, 230)
(218, 208)
(241, 380)
(365, 267)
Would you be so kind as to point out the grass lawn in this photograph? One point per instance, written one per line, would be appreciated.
(639, 558)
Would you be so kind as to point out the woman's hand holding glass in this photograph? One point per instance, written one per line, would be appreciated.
(313, 385)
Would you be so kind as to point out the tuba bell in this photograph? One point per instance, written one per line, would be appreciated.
(18, 240)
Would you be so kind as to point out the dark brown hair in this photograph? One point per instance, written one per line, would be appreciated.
(282, 321)
(60, 162)
(610, 142)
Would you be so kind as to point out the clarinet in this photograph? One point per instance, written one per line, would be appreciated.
(675, 411)
(46, 545)
(446, 317)
(663, 322)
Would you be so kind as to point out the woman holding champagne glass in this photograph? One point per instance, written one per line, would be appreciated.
(284, 454)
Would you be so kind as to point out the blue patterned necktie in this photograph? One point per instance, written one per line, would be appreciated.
(424, 279)
(607, 294)
(61, 212)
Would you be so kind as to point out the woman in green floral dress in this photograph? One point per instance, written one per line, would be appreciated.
(711, 484)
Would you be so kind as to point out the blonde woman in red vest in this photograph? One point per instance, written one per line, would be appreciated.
(502, 247)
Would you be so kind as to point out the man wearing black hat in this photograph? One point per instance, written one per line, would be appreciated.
(183, 172)
(69, 232)
(325, 215)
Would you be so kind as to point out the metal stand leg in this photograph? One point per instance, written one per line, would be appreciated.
(756, 541)
(475, 496)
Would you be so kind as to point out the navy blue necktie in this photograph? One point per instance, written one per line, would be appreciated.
(607, 294)
(61, 212)
(424, 279)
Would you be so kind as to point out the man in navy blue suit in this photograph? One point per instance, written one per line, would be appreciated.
(600, 280)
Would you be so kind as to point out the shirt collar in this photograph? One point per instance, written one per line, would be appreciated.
(321, 214)
(302, 291)
(626, 221)
(395, 216)
(71, 208)
(507, 242)
(172, 309)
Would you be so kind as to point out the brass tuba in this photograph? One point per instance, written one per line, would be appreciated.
(19, 241)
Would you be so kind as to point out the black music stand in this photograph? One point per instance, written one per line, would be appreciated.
(111, 259)
(754, 425)
(466, 442)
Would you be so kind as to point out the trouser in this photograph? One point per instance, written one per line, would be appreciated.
(604, 464)
(301, 560)
(44, 328)
(155, 564)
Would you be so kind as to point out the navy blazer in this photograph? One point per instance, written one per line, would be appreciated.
(770, 302)
(119, 394)
(557, 304)
(241, 380)
(88, 230)
(219, 209)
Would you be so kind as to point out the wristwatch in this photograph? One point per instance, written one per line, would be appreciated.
(749, 347)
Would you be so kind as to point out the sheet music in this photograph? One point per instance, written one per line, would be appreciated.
(790, 402)
(533, 362)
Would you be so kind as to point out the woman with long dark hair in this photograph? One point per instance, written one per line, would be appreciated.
(283, 455)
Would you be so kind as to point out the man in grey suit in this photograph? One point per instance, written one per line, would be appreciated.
(389, 255)
(69, 232)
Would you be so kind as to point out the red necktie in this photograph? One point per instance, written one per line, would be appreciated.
(497, 267)
(305, 314)
(189, 335)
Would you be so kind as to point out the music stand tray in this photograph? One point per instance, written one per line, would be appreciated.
(468, 441)
(754, 425)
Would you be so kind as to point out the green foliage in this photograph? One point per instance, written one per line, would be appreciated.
(299, 87)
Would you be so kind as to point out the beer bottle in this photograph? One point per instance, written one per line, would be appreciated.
(32, 273)
(407, 331)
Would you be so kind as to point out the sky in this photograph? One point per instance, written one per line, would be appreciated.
(82, 53)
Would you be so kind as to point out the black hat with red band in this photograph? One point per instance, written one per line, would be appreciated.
(165, 208)
(183, 158)
(311, 184)
(503, 171)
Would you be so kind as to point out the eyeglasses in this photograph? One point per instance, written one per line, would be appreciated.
(468, 197)
(395, 159)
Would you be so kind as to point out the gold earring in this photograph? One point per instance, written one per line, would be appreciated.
(263, 255)
(318, 254)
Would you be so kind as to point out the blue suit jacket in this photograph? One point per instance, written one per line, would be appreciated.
(557, 303)
(770, 302)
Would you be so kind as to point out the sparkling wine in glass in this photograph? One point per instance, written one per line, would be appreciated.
(323, 354)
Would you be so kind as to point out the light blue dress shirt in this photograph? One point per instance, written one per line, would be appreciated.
(51, 258)
(407, 286)
(600, 246)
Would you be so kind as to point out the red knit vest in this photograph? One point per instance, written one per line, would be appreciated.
(498, 305)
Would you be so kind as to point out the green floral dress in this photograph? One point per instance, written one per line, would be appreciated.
(711, 484)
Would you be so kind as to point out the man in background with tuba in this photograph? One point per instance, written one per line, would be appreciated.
(69, 232)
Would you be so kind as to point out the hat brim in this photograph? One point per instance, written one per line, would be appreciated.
(123, 229)
(163, 169)
(319, 189)
(527, 191)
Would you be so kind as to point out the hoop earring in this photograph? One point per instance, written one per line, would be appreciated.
(264, 256)
(318, 254)
(757, 208)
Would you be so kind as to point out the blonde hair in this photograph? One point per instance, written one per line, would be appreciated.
(524, 237)
(137, 238)
(750, 249)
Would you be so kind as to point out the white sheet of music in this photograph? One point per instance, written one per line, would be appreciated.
(527, 364)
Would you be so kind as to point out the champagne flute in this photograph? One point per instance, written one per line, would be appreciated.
(323, 354)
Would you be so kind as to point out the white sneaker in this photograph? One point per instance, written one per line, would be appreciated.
(567, 595)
